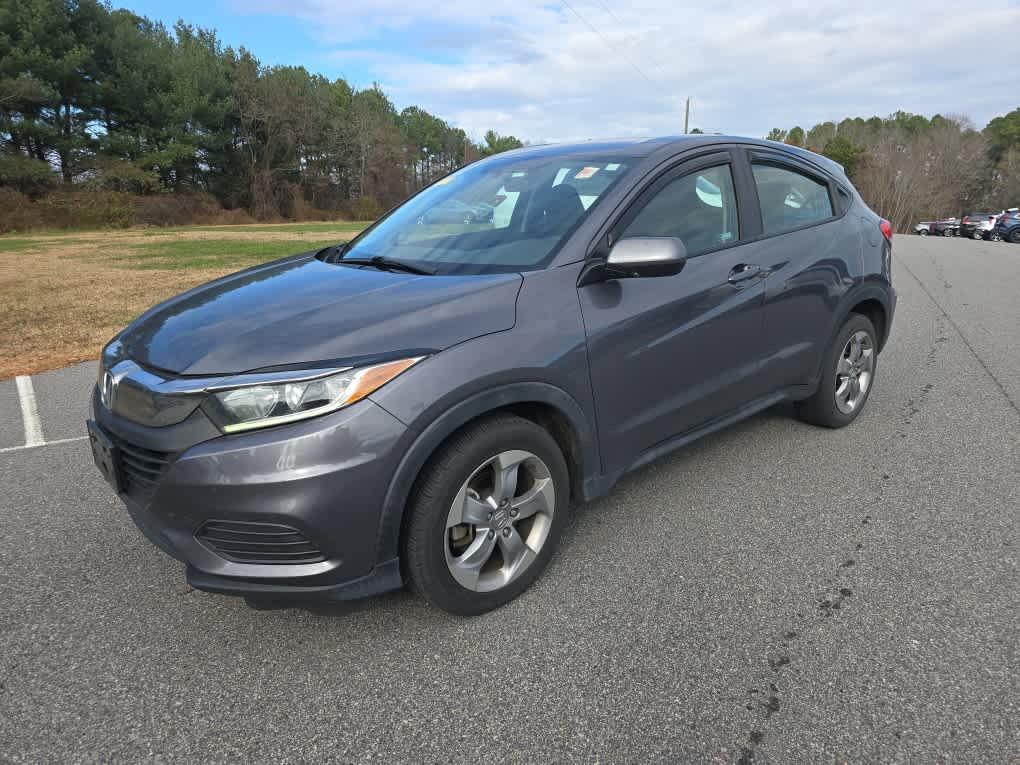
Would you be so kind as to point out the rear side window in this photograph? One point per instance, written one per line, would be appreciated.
(789, 199)
(700, 209)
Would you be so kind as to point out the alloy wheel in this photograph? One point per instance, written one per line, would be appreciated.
(854, 372)
(499, 521)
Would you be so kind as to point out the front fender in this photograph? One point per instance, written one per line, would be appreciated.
(543, 359)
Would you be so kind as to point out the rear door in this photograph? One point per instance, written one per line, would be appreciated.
(811, 249)
(668, 354)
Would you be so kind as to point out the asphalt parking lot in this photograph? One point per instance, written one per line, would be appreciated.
(775, 593)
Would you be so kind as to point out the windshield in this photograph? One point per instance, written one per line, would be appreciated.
(503, 214)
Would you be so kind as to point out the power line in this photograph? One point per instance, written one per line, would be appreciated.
(630, 61)
(619, 21)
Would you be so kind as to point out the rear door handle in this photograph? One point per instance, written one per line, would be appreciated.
(743, 272)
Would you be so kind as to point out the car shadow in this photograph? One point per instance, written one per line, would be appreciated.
(580, 515)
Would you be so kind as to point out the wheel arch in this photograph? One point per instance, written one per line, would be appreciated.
(876, 312)
(872, 299)
(542, 403)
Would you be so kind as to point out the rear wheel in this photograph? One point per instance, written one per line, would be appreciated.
(1014, 236)
(486, 515)
(923, 232)
(977, 235)
(848, 374)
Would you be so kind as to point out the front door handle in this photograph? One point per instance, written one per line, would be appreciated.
(743, 272)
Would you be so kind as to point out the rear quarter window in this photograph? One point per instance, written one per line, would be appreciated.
(843, 200)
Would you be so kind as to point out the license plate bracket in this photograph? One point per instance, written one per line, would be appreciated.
(106, 456)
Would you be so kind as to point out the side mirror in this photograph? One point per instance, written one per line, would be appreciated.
(647, 256)
(636, 257)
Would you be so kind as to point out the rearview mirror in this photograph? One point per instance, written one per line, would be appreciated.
(646, 256)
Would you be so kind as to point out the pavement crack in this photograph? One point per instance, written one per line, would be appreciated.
(963, 337)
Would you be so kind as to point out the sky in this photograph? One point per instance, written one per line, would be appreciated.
(561, 70)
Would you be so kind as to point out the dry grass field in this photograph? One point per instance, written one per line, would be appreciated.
(63, 295)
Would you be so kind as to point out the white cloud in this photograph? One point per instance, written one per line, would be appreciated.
(536, 69)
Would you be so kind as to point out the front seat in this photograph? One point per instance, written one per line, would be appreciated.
(554, 211)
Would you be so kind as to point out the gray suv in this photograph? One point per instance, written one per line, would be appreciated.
(424, 404)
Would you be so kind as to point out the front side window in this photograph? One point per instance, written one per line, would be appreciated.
(789, 199)
(699, 208)
(501, 214)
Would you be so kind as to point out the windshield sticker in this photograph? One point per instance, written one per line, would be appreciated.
(586, 172)
(612, 167)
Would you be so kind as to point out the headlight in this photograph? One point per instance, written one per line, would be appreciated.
(274, 403)
(112, 352)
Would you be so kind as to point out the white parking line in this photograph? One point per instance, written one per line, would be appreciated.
(29, 412)
(44, 443)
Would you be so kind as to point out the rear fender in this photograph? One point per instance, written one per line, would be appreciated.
(871, 290)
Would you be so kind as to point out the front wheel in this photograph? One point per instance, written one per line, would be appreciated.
(923, 232)
(1014, 236)
(977, 236)
(486, 515)
(848, 374)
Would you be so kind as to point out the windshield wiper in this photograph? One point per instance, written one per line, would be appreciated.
(387, 264)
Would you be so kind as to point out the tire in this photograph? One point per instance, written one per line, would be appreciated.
(826, 407)
(923, 232)
(1014, 236)
(977, 236)
(460, 481)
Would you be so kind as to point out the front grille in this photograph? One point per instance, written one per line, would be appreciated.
(140, 468)
(265, 543)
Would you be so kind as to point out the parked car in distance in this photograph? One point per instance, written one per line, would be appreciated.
(977, 225)
(947, 227)
(423, 406)
(1007, 227)
(457, 211)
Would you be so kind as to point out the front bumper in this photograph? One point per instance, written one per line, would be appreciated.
(323, 479)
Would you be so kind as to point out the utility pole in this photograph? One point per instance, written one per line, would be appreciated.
(687, 115)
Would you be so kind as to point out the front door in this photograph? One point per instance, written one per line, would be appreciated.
(668, 354)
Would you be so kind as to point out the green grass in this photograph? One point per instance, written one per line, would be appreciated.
(340, 227)
(14, 245)
(212, 253)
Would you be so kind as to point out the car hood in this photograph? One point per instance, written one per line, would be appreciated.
(303, 312)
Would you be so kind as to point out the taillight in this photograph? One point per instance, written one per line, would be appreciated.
(964, 219)
(886, 228)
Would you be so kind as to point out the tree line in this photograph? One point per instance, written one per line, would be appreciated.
(908, 167)
(101, 99)
(99, 106)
